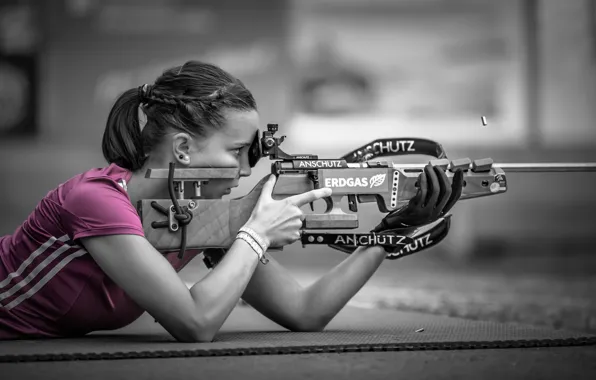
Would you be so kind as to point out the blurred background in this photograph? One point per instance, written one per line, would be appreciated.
(335, 74)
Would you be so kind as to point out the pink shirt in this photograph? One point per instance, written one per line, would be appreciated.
(49, 285)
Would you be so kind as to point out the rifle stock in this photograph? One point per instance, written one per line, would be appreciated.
(214, 223)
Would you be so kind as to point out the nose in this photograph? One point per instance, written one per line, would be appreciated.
(245, 169)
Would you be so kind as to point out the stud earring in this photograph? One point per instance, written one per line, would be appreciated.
(181, 156)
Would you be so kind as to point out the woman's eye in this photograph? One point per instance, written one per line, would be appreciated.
(236, 152)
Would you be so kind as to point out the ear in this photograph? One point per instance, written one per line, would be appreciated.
(181, 148)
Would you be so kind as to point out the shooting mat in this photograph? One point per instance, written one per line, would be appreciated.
(357, 344)
(246, 332)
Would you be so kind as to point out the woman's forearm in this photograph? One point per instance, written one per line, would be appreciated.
(218, 292)
(328, 295)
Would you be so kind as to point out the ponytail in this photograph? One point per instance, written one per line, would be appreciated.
(122, 139)
(190, 98)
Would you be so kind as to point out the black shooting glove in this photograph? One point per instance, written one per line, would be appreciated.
(434, 199)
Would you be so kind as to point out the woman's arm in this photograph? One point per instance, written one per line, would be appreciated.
(193, 315)
(278, 296)
(331, 293)
(149, 279)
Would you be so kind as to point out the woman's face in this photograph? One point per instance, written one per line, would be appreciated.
(225, 148)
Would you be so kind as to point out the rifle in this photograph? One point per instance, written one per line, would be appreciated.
(198, 223)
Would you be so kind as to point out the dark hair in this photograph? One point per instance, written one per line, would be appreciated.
(190, 98)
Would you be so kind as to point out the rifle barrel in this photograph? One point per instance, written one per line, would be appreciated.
(548, 167)
(542, 167)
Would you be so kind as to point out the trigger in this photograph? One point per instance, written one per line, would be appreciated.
(312, 206)
(353, 206)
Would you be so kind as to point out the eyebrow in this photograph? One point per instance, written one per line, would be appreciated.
(241, 143)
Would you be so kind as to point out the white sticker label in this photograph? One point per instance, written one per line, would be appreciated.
(374, 181)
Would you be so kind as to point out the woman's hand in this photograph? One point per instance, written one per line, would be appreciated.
(281, 221)
(434, 199)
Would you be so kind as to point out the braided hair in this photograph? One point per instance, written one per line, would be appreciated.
(190, 98)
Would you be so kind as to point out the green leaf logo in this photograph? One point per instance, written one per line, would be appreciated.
(377, 180)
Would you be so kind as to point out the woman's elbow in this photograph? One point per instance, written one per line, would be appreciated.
(308, 328)
(195, 332)
(308, 325)
(195, 337)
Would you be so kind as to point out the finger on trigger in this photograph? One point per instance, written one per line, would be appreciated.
(310, 196)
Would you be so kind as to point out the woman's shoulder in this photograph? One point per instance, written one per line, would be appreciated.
(93, 184)
(96, 200)
(87, 204)
(112, 174)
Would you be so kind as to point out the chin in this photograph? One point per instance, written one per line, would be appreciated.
(215, 192)
(219, 194)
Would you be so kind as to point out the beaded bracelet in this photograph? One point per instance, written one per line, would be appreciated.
(254, 245)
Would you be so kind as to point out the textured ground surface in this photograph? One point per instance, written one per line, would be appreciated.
(557, 291)
(245, 328)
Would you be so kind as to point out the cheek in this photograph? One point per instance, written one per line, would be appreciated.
(218, 161)
(218, 183)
